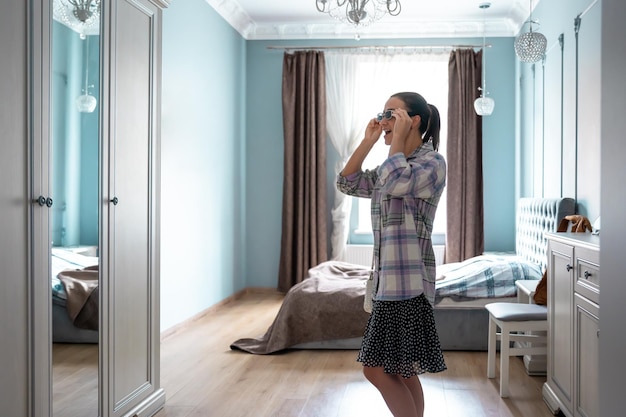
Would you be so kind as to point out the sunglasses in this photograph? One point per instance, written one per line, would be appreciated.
(388, 114)
(384, 115)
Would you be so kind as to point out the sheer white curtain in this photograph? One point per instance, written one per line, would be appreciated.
(358, 82)
(348, 85)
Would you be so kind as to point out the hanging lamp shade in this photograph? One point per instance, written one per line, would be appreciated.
(86, 103)
(484, 106)
(530, 46)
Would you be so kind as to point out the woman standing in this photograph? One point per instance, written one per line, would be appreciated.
(401, 340)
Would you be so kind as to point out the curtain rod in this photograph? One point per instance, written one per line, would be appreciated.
(375, 47)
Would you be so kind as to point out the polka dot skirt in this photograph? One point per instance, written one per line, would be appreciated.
(402, 338)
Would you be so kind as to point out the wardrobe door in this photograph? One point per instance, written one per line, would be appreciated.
(132, 245)
(25, 293)
(14, 206)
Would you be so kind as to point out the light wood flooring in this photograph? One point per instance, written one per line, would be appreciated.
(202, 377)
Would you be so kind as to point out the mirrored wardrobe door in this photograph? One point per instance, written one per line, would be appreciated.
(75, 120)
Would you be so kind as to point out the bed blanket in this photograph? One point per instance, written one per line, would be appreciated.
(81, 289)
(327, 305)
(484, 276)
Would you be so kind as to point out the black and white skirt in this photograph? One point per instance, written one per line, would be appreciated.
(401, 337)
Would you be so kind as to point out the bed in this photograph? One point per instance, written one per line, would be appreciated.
(74, 283)
(325, 310)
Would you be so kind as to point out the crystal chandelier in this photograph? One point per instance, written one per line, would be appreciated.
(82, 16)
(530, 46)
(484, 105)
(359, 13)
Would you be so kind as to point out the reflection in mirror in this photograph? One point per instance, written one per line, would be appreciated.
(74, 181)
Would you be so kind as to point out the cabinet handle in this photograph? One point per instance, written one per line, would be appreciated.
(43, 201)
(587, 274)
(598, 333)
(114, 200)
(568, 267)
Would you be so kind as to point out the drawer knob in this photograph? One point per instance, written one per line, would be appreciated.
(587, 274)
(568, 267)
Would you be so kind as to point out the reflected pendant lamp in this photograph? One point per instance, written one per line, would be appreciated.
(86, 103)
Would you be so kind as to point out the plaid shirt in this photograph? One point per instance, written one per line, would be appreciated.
(405, 193)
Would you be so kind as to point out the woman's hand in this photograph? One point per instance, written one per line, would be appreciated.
(373, 131)
(372, 134)
(402, 126)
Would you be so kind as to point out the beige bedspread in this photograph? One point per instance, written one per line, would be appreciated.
(327, 305)
(81, 286)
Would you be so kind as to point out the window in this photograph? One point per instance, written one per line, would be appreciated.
(429, 77)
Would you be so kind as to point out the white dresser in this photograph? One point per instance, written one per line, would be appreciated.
(573, 324)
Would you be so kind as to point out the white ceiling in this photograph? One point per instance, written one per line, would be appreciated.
(299, 19)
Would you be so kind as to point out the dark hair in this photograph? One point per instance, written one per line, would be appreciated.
(417, 105)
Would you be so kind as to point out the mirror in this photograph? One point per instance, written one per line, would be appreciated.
(75, 55)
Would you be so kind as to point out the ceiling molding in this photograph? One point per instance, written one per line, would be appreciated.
(507, 26)
(379, 30)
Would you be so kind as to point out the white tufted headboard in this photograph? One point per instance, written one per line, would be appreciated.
(535, 217)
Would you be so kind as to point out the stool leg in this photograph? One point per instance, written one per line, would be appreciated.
(491, 349)
(504, 360)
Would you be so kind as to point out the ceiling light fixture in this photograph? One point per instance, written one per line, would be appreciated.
(82, 16)
(359, 13)
(530, 46)
(484, 105)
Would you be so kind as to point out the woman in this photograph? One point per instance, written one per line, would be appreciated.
(401, 340)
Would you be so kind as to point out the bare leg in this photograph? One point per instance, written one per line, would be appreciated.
(415, 388)
(398, 395)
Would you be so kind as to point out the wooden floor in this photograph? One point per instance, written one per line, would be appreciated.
(74, 380)
(202, 377)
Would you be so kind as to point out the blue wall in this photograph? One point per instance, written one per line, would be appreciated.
(560, 150)
(203, 162)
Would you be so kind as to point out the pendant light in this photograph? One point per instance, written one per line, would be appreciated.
(484, 105)
(530, 46)
(86, 103)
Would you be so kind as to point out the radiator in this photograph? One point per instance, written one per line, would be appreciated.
(362, 254)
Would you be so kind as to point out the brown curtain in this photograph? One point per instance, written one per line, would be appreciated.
(465, 235)
(304, 219)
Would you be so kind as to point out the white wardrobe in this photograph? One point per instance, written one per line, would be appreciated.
(129, 198)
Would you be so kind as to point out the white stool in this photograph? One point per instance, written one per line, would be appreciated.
(514, 317)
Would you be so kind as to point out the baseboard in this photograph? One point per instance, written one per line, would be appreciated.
(150, 406)
(212, 309)
(550, 398)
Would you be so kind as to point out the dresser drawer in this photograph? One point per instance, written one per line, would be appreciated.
(587, 273)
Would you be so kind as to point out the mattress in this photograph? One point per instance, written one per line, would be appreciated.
(461, 325)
